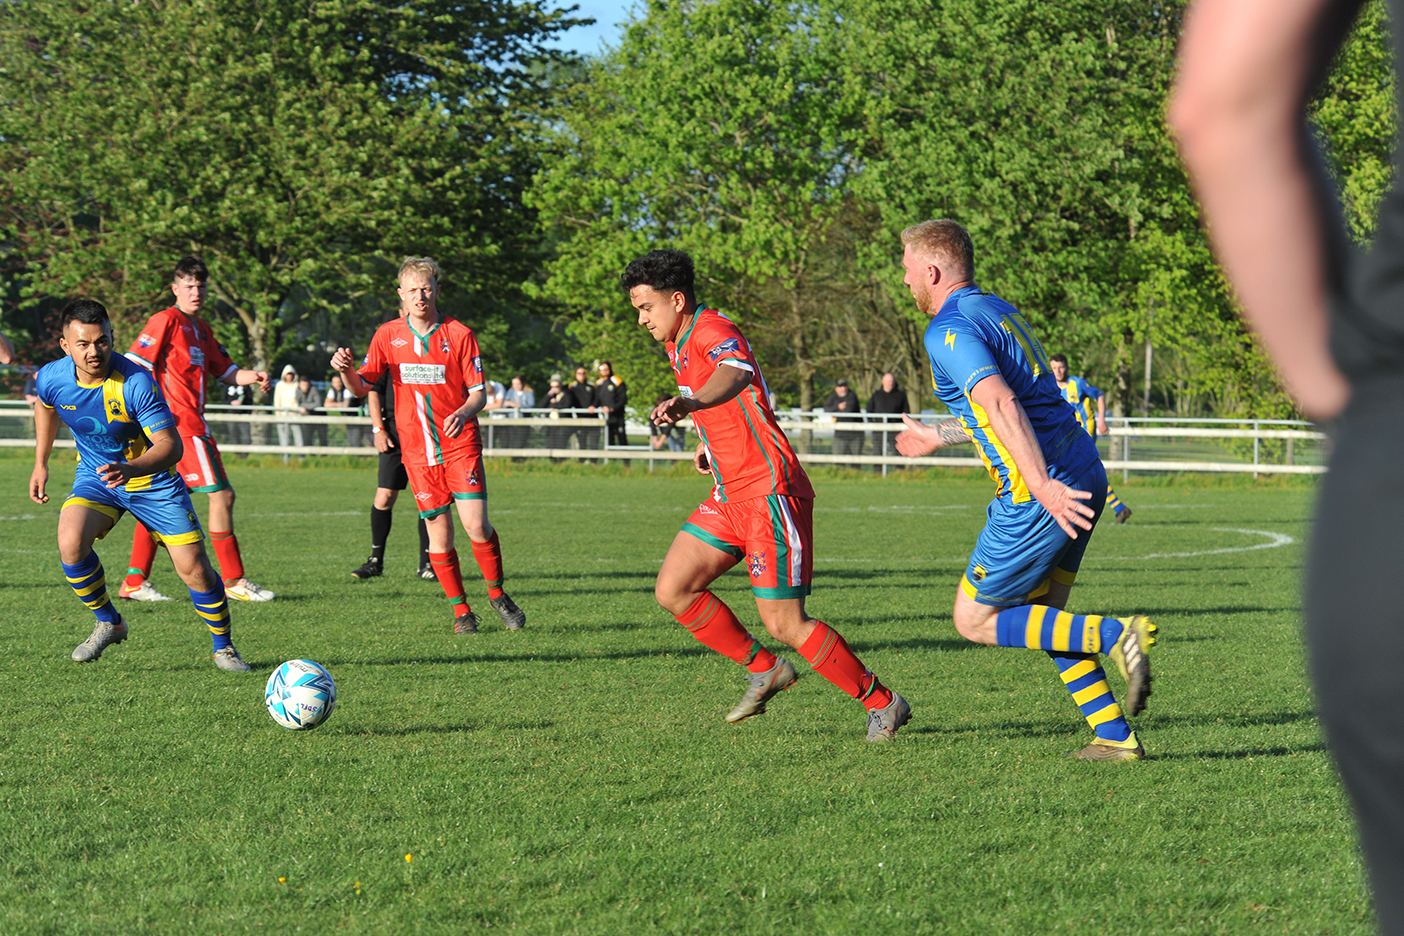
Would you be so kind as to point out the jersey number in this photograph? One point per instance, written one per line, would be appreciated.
(1023, 334)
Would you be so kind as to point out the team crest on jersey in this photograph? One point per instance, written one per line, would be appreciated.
(399, 342)
(730, 344)
(190, 515)
(755, 561)
(684, 360)
(444, 345)
(978, 573)
(114, 407)
(473, 478)
(145, 340)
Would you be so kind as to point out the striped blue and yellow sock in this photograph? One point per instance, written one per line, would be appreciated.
(1087, 682)
(213, 608)
(1040, 627)
(1114, 502)
(90, 585)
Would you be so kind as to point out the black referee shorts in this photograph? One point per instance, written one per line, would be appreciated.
(392, 474)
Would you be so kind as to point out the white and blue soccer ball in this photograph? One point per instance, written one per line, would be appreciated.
(300, 694)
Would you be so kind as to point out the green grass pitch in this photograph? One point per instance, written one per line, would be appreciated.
(577, 777)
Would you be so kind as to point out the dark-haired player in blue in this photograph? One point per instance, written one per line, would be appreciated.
(128, 448)
(991, 372)
(1081, 395)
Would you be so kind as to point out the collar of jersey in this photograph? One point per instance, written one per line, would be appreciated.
(688, 334)
(424, 338)
(955, 297)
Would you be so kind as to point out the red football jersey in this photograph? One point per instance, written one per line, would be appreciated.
(181, 352)
(433, 374)
(748, 452)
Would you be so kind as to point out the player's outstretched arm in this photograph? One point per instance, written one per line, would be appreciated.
(45, 431)
(165, 451)
(1011, 426)
(919, 439)
(725, 385)
(344, 363)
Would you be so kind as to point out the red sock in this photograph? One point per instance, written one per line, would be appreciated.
(489, 558)
(451, 579)
(226, 547)
(711, 621)
(143, 555)
(828, 653)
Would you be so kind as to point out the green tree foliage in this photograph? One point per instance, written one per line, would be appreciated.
(301, 149)
(786, 145)
(718, 128)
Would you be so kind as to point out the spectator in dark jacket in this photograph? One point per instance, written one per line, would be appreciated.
(582, 394)
(890, 400)
(611, 396)
(843, 403)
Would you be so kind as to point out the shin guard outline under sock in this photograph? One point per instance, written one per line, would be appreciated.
(1039, 627)
(488, 556)
(831, 657)
(1087, 682)
(226, 550)
(714, 624)
(213, 608)
(89, 583)
(451, 580)
(380, 532)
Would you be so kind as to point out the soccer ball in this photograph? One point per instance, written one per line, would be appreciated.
(300, 694)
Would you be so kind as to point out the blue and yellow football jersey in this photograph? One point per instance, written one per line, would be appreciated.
(1082, 395)
(111, 420)
(976, 335)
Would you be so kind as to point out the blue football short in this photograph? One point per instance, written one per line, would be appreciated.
(1022, 550)
(164, 507)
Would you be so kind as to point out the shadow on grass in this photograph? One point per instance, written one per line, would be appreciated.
(1241, 754)
(409, 730)
(522, 658)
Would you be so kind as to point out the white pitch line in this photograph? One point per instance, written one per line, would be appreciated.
(1275, 540)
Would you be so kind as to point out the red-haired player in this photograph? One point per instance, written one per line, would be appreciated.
(761, 510)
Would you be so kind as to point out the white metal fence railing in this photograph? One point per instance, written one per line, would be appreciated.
(1257, 446)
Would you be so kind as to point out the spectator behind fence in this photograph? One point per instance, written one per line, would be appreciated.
(339, 399)
(518, 397)
(582, 394)
(285, 404)
(239, 433)
(843, 403)
(309, 403)
(611, 396)
(888, 400)
(669, 434)
(558, 398)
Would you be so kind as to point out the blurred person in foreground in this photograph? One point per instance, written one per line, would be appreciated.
(1332, 318)
(761, 510)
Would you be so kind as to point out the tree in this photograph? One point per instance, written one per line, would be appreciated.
(301, 149)
(718, 128)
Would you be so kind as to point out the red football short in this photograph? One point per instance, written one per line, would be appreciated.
(201, 466)
(436, 487)
(773, 535)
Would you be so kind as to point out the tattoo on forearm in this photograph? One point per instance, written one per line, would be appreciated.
(951, 432)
